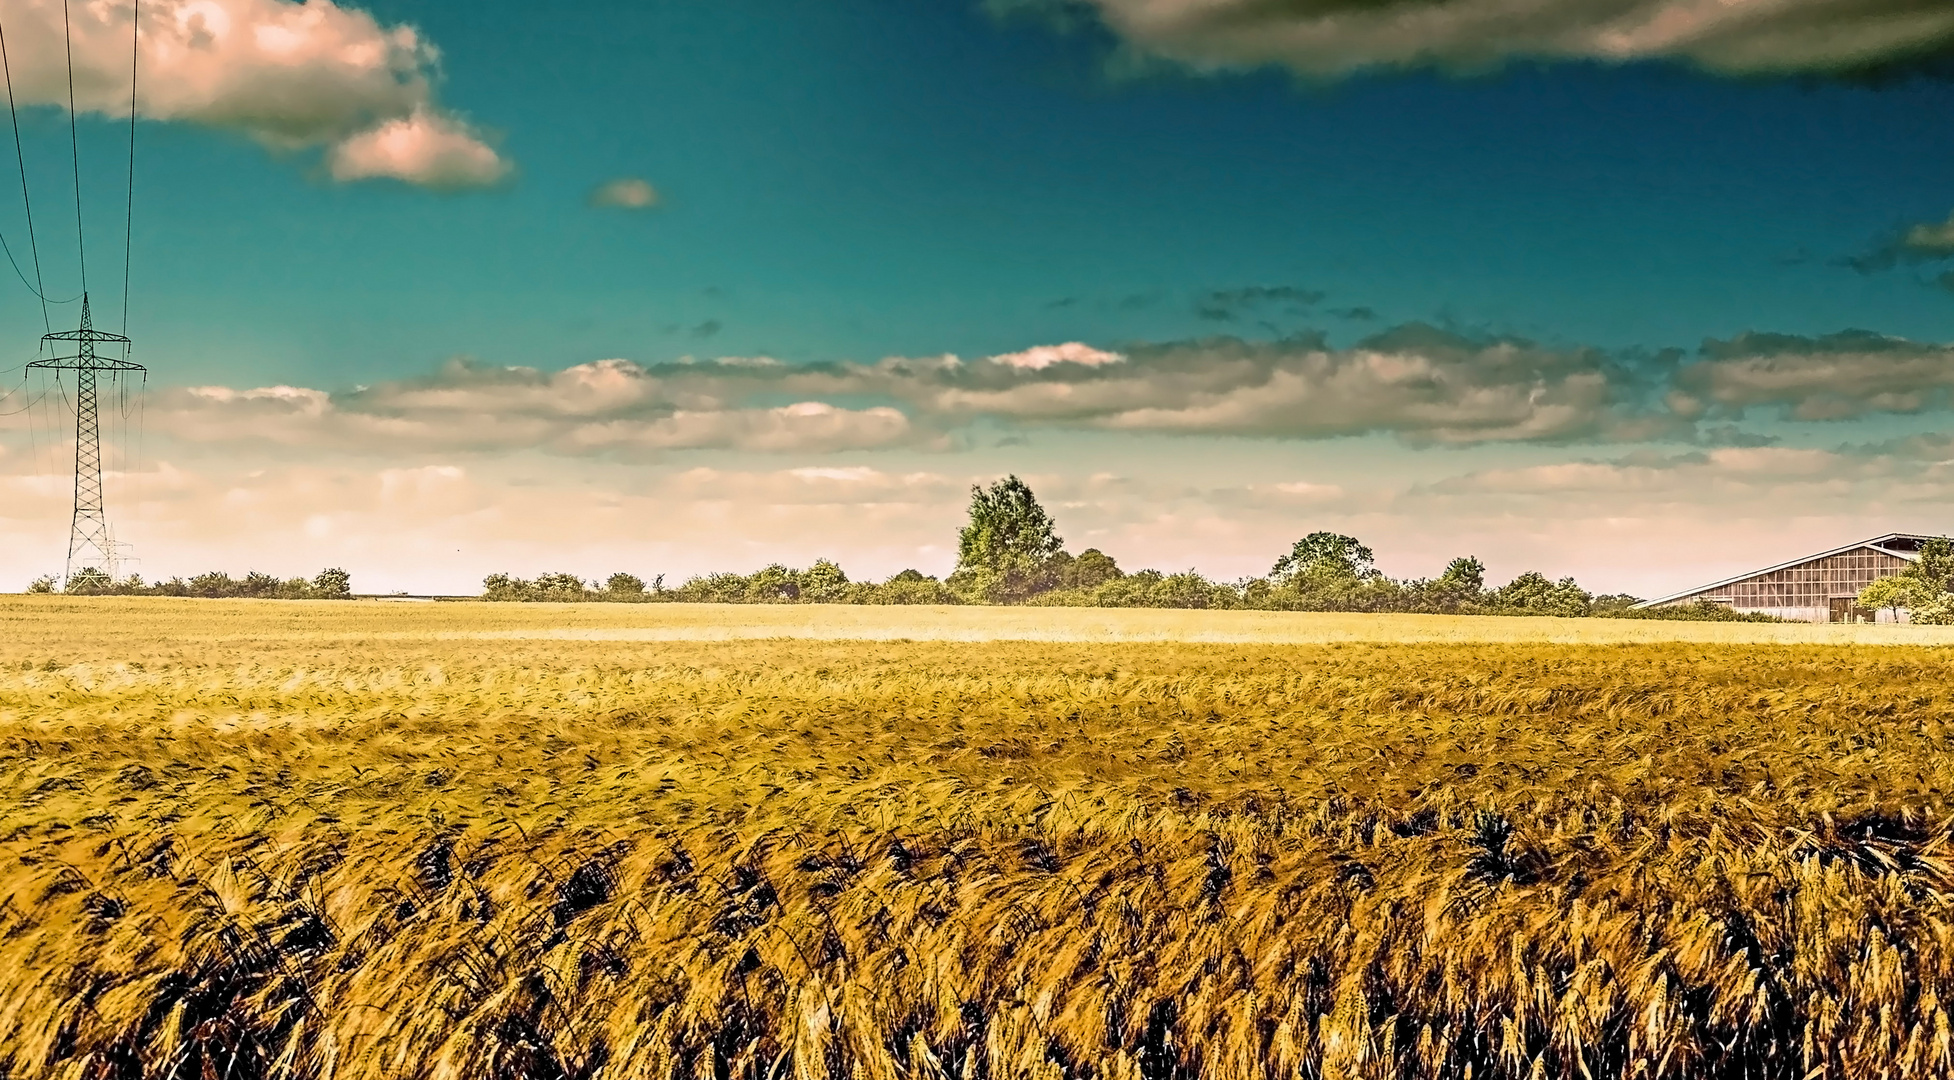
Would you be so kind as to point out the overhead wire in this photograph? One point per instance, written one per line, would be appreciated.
(128, 247)
(13, 112)
(12, 390)
(129, 212)
(33, 435)
(74, 143)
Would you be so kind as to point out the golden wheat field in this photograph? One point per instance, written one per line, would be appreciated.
(361, 841)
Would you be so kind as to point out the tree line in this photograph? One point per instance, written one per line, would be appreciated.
(330, 584)
(1010, 552)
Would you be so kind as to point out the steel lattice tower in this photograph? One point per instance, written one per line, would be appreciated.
(89, 544)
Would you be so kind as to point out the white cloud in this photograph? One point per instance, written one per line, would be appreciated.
(1041, 357)
(808, 426)
(1330, 40)
(290, 75)
(426, 148)
(625, 193)
(1303, 489)
(1930, 240)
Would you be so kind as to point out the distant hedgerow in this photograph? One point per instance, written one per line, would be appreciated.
(330, 584)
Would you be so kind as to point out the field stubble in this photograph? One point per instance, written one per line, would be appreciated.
(254, 841)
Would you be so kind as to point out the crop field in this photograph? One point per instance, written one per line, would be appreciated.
(521, 842)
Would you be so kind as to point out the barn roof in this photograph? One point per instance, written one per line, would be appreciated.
(1902, 545)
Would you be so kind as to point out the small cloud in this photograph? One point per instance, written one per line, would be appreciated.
(1043, 356)
(625, 193)
(1930, 240)
(1225, 305)
(1063, 302)
(426, 148)
(1306, 490)
(1731, 435)
(1355, 314)
(1946, 281)
(708, 328)
(1255, 295)
(1927, 241)
(852, 474)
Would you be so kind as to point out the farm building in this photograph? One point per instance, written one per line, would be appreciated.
(1817, 588)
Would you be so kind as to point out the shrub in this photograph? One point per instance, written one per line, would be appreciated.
(1701, 611)
(1938, 611)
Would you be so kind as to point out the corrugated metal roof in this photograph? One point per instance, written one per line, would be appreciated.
(1876, 543)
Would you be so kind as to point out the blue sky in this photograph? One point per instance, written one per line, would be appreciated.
(845, 182)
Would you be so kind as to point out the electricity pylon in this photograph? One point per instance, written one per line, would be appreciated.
(89, 544)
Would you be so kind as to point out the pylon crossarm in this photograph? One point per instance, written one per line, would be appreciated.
(86, 335)
(77, 363)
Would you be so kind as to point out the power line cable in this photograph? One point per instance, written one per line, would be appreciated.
(4, 246)
(129, 214)
(40, 289)
(74, 142)
(27, 399)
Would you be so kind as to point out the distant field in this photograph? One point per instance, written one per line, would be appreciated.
(29, 622)
(373, 840)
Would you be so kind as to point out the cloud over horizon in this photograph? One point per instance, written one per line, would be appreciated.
(611, 406)
(1338, 39)
(289, 75)
(1424, 385)
(1419, 384)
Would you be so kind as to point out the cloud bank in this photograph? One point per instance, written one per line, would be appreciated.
(1329, 39)
(1423, 385)
(1835, 377)
(608, 407)
(289, 75)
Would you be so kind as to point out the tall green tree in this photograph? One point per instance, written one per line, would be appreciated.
(1325, 556)
(333, 582)
(1464, 574)
(1004, 554)
(1921, 588)
(1935, 567)
(1901, 591)
(823, 583)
